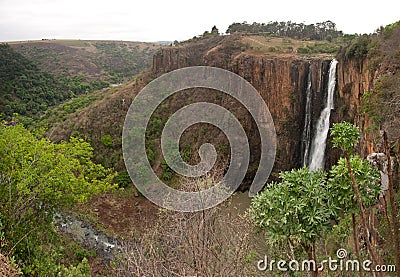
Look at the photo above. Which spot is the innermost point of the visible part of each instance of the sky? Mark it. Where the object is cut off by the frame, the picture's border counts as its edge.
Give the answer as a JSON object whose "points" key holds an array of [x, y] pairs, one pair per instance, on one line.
{"points": [[168, 20]]}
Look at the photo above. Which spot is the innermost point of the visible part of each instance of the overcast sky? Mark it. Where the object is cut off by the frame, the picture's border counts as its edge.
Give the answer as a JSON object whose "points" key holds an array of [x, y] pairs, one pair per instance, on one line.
{"points": [[149, 20]]}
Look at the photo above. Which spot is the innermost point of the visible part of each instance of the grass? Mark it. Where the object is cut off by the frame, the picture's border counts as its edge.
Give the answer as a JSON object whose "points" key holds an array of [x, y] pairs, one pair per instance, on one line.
{"points": [[274, 46], [112, 61], [71, 42]]}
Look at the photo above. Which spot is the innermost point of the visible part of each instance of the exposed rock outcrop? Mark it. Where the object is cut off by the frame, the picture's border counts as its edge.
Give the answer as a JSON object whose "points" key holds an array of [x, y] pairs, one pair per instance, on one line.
{"points": [[281, 81]]}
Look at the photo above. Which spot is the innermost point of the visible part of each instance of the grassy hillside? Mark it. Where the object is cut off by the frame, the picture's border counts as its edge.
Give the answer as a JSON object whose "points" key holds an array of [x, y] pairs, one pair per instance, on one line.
{"points": [[36, 75], [27, 90], [111, 61], [273, 46]]}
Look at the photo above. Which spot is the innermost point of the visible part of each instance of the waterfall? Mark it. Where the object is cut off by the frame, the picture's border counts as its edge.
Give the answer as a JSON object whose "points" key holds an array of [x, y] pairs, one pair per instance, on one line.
{"points": [[306, 138], [318, 144]]}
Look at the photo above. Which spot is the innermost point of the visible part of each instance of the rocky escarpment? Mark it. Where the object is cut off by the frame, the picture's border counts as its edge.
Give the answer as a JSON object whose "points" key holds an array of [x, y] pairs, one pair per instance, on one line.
{"points": [[281, 82], [280, 79], [354, 79], [184, 55]]}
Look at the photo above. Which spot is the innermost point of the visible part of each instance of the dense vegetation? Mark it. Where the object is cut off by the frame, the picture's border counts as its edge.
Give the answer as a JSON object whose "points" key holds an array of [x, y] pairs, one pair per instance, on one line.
{"points": [[382, 103], [309, 206], [39, 179], [319, 31], [26, 90]]}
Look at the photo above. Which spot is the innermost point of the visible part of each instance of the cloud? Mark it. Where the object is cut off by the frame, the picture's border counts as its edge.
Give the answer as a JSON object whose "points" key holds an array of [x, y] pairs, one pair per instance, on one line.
{"points": [[174, 19]]}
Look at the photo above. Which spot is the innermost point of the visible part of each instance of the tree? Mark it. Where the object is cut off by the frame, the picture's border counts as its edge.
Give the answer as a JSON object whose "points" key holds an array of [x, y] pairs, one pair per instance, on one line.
{"points": [[343, 193], [214, 30], [392, 202], [367, 179], [346, 136], [295, 211], [318, 31], [38, 179]]}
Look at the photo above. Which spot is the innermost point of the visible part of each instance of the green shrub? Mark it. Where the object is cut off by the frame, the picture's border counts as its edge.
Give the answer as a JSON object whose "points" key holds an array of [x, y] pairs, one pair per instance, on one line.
{"points": [[389, 29], [52, 177], [303, 50], [81, 270], [167, 171], [123, 179], [106, 140], [358, 49]]}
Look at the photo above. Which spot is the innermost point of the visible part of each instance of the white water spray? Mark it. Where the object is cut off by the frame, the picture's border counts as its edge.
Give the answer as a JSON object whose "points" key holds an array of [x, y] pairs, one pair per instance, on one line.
{"points": [[318, 145], [306, 138]]}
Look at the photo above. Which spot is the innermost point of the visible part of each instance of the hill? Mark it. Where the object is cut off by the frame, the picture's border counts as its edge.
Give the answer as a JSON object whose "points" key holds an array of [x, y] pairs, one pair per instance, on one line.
{"points": [[111, 61], [36, 75], [27, 90]]}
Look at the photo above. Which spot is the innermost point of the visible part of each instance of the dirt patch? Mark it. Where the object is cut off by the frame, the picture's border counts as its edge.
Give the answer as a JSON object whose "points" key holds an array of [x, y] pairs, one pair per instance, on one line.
{"points": [[124, 214]]}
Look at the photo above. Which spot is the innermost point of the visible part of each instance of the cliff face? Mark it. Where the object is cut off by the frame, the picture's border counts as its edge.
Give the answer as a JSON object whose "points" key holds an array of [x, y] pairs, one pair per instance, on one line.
{"points": [[281, 81], [282, 84], [354, 78], [172, 58]]}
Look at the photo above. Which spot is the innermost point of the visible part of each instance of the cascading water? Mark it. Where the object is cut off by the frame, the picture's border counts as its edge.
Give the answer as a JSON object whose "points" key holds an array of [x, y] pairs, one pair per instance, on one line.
{"points": [[318, 145], [306, 138]]}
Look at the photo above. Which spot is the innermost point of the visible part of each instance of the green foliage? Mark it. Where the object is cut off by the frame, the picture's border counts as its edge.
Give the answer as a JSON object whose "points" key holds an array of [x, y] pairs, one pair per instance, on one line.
{"points": [[81, 270], [345, 136], [46, 260], [123, 179], [167, 173], [358, 49], [296, 209], [150, 152], [367, 179], [373, 48], [155, 127], [60, 112], [383, 103], [186, 152], [341, 232], [303, 50], [319, 31], [389, 29], [319, 48], [39, 178], [348, 37], [106, 140], [27, 90]]}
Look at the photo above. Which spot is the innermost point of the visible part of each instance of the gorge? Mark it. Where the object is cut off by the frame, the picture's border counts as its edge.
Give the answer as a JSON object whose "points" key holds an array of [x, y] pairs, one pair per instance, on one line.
{"points": [[299, 91], [72, 205], [294, 87]]}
